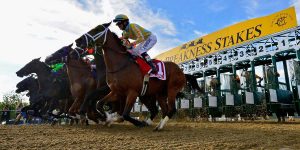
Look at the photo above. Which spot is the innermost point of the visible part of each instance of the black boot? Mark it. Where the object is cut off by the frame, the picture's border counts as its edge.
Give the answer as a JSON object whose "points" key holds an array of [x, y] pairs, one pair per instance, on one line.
{"points": [[150, 62], [152, 65]]}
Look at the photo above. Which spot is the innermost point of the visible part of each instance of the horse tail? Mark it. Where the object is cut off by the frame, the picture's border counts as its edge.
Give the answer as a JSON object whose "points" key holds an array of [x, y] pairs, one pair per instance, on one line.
{"points": [[192, 80], [180, 95]]}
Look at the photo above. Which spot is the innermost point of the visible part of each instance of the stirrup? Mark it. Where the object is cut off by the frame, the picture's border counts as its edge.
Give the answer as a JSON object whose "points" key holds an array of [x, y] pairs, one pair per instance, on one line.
{"points": [[154, 70]]}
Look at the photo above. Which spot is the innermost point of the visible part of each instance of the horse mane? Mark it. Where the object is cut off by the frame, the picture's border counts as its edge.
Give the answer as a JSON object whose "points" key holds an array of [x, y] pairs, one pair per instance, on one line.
{"points": [[115, 36], [47, 68]]}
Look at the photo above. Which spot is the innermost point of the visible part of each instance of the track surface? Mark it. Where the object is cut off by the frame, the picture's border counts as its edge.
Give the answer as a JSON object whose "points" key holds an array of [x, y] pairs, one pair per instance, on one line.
{"points": [[176, 135]]}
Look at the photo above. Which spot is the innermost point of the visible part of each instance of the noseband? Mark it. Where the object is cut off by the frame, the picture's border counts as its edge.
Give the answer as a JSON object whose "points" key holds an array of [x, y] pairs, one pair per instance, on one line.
{"points": [[88, 37], [92, 40]]}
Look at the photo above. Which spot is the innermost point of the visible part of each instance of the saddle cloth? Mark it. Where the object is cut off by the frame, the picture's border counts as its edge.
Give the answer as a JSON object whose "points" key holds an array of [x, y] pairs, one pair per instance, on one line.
{"points": [[146, 69]]}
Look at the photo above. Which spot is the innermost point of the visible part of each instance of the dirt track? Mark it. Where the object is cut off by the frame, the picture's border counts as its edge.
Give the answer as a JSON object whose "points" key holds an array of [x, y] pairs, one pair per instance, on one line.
{"points": [[177, 135]]}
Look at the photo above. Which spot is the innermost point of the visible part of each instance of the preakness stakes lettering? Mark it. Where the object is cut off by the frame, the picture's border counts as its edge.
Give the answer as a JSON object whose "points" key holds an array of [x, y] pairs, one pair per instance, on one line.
{"points": [[268, 46], [232, 36], [220, 43]]}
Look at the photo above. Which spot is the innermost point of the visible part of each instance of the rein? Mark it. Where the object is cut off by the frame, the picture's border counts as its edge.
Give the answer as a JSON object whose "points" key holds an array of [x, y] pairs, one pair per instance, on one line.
{"points": [[88, 36], [78, 59]]}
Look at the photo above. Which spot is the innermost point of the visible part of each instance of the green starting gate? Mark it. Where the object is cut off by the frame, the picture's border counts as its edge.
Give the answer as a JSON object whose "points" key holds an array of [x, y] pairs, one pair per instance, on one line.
{"points": [[232, 85]]}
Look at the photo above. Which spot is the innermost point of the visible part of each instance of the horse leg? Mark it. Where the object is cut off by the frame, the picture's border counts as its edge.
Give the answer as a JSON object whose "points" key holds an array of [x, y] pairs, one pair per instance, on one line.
{"points": [[283, 114], [150, 103], [18, 118], [100, 103], [162, 101], [67, 107], [117, 109], [278, 115], [110, 97], [171, 109], [87, 100], [130, 100], [91, 115], [74, 109]]}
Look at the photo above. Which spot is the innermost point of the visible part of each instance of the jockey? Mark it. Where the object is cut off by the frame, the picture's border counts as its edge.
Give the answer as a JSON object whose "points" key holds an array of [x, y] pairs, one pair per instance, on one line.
{"points": [[144, 39], [56, 67]]}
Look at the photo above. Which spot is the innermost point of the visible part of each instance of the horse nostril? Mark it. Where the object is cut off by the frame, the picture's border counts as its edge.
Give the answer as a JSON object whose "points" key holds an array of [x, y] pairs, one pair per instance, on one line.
{"points": [[18, 74]]}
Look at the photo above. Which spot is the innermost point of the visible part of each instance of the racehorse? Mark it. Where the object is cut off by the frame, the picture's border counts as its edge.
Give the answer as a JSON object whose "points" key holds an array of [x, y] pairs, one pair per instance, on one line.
{"points": [[31, 85], [92, 95], [36, 102], [80, 75], [125, 78], [56, 90]]}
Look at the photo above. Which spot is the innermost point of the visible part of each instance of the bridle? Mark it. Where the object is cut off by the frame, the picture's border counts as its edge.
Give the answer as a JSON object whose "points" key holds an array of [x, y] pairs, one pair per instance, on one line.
{"points": [[91, 40]]}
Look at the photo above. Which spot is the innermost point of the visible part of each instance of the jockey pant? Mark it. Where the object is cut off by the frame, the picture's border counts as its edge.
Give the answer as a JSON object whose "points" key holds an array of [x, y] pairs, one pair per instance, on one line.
{"points": [[145, 46]]}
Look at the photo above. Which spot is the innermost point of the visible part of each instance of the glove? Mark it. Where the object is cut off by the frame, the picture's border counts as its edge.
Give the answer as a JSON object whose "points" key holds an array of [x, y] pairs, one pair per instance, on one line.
{"points": [[127, 44]]}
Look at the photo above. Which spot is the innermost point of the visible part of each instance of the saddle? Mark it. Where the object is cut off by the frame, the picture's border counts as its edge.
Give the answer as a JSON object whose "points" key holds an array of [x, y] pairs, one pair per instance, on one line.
{"points": [[146, 72], [146, 69]]}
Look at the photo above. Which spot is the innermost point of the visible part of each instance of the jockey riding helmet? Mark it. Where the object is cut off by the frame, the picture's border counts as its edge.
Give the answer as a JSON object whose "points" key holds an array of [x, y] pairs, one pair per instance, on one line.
{"points": [[120, 18]]}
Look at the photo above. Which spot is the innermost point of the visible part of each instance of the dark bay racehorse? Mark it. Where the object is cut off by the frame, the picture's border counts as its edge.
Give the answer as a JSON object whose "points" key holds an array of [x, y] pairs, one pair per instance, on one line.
{"points": [[125, 79], [31, 85], [36, 102], [56, 90], [92, 94]]}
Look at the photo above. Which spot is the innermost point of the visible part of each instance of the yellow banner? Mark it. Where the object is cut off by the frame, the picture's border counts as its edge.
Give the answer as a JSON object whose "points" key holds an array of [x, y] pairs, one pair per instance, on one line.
{"points": [[232, 36]]}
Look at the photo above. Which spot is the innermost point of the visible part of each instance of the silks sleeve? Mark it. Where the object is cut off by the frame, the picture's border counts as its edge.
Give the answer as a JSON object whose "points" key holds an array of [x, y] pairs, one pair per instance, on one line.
{"points": [[138, 33]]}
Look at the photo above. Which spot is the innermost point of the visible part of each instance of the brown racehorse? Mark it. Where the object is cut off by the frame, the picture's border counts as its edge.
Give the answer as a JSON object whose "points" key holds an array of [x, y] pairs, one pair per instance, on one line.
{"points": [[83, 85], [80, 76], [125, 79]]}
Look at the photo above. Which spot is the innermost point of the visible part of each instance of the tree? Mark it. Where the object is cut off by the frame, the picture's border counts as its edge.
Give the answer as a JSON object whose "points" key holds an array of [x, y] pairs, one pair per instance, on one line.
{"points": [[11, 100]]}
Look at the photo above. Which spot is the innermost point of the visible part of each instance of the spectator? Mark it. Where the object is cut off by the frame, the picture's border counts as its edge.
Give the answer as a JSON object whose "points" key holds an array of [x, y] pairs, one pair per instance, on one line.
{"points": [[5, 115], [18, 109]]}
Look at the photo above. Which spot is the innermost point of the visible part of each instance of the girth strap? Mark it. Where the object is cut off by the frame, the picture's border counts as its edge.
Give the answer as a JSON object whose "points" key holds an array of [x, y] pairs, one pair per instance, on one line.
{"points": [[145, 84]]}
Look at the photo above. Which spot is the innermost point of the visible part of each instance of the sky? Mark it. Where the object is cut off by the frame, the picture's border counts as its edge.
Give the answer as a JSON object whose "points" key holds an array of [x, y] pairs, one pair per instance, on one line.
{"points": [[36, 28]]}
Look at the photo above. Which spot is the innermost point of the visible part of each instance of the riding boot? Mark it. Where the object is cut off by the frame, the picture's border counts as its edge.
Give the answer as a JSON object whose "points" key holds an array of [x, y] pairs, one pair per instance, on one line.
{"points": [[152, 65], [150, 62]]}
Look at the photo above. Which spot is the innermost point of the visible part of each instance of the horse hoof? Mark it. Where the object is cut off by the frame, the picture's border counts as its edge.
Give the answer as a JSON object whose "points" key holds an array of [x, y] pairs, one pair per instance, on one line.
{"points": [[53, 123], [142, 124], [108, 123], [156, 129], [146, 123]]}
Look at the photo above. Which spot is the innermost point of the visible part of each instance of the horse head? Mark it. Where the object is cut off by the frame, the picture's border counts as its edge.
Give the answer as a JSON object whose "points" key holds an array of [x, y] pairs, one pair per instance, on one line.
{"points": [[29, 68], [63, 54], [96, 37], [24, 84]]}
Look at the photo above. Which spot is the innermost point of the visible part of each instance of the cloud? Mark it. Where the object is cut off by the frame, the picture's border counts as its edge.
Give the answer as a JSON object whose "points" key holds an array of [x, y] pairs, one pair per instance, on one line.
{"points": [[188, 22], [35, 28], [217, 6], [199, 33], [251, 8]]}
